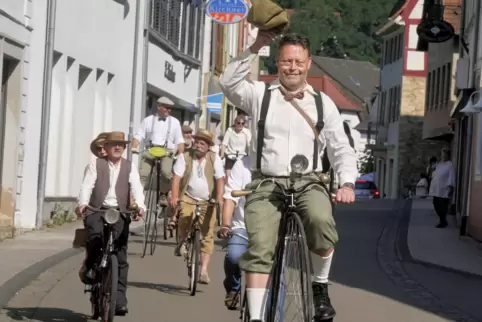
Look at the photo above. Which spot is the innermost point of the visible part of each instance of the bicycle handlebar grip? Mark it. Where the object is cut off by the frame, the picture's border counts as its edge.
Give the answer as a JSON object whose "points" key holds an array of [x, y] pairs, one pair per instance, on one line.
{"points": [[240, 193]]}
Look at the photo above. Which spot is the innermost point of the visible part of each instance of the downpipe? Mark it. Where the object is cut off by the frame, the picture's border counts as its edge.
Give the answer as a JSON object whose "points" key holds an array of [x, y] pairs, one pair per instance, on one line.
{"points": [[46, 100], [134, 77], [201, 72]]}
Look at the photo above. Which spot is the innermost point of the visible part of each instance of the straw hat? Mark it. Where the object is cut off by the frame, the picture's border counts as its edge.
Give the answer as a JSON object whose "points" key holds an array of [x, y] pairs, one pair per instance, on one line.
{"points": [[204, 135], [98, 142], [116, 137]]}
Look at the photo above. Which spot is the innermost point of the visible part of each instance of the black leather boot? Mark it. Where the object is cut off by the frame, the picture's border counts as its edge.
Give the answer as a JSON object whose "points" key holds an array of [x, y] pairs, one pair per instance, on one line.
{"points": [[324, 311]]}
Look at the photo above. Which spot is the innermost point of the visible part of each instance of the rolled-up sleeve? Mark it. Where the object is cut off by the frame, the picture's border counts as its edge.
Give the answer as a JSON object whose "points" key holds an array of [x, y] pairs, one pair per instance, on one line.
{"points": [[218, 168], [234, 84], [141, 132], [179, 166], [178, 138], [136, 188], [342, 156], [90, 176]]}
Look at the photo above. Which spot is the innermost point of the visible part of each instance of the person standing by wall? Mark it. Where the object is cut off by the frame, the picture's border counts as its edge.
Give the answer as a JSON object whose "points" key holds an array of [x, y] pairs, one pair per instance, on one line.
{"points": [[442, 187]]}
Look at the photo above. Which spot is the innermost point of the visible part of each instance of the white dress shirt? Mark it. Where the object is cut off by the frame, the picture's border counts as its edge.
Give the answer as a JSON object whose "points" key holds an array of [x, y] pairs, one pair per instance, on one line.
{"points": [[239, 177], [237, 142], [286, 131], [443, 177], [197, 187], [156, 130], [111, 198]]}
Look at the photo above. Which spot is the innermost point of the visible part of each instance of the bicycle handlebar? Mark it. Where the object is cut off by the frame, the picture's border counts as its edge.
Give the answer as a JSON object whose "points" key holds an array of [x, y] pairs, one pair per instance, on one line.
{"points": [[244, 193], [127, 212]]}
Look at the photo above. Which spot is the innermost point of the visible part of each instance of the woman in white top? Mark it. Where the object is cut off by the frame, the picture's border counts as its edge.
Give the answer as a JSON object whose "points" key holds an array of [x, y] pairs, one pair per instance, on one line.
{"points": [[442, 187], [235, 143]]}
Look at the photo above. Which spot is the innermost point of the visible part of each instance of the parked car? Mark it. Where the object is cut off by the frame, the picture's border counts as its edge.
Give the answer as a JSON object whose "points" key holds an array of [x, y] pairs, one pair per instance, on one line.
{"points": [[366, 190]]}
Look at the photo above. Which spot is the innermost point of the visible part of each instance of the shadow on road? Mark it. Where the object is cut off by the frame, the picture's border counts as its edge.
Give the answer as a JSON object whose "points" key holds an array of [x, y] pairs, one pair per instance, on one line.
{"points": [[367, 257], [39, 314], [164, 288]]}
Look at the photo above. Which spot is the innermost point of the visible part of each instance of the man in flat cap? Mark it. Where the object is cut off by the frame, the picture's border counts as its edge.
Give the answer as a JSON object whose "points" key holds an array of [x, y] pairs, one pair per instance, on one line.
{"points": [[188, 140], [159, 130]]}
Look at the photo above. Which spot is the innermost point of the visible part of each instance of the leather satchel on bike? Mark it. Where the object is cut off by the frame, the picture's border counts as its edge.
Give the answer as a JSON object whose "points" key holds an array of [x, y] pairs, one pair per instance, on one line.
{"points": [[80, 238]]}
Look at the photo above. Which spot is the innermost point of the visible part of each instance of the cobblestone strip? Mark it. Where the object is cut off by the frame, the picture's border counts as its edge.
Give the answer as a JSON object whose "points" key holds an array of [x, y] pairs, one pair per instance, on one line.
{"points": [[24, 305], [393, 267]]}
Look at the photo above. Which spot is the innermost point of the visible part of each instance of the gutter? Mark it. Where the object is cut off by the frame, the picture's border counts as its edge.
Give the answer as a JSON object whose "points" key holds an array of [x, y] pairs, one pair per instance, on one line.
{"points": [[201, 72], [133, 81], [391, 22], [470, 131], [46, 99]]}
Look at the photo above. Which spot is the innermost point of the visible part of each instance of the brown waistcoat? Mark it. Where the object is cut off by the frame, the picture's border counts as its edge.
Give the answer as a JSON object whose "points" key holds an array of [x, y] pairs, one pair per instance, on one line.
{"points": [[102, 184], [189, 157]]}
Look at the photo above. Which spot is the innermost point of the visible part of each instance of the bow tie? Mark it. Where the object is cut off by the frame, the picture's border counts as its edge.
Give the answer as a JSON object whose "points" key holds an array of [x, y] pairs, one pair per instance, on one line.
{"points": [[162, 118], [290, 96]]}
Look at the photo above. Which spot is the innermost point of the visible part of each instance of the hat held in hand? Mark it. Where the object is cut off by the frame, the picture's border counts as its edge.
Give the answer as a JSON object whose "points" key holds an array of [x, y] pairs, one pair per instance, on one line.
{"points": [[267, 15]]}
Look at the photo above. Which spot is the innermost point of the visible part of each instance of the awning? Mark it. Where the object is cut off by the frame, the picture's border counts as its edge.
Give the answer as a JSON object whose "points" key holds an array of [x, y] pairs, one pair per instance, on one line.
{"points": [[461, 102], [444, 133]]}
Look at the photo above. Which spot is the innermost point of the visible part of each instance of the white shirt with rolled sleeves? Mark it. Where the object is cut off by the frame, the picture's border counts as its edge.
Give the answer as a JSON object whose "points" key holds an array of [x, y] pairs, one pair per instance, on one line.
{"points": [[156, 130], [286, 131], [443, 177], [197, 187], [237, 142], [110, 200], [239, 177]]}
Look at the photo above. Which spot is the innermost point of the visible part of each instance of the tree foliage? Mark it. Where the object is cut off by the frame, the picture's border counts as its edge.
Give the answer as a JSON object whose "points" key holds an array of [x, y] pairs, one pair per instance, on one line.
{"points": [[338, 28]]}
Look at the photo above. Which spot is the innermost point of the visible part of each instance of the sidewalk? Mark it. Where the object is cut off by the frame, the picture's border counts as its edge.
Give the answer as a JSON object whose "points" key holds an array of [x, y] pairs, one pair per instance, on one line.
{"points": [[26, 256], [441, 247]]}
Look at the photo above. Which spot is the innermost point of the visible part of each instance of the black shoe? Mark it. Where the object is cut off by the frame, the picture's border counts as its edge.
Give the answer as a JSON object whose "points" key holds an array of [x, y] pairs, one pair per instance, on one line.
{"points": [[89, 276], [323, 309], [121, 310], [442, 225]]}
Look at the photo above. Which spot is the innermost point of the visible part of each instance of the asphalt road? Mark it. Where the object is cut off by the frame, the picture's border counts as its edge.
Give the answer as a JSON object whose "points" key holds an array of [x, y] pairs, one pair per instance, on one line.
{"points": [[369, 283]]}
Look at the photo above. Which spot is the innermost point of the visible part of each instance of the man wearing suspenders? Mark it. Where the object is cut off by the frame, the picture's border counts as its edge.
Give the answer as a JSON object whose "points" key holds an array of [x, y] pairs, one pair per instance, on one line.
{"points": [[281, 111], [161, 130]]}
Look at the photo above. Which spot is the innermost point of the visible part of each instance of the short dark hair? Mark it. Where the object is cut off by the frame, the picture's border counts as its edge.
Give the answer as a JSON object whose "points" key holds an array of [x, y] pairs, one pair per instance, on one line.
{"points": [[294, 39]]}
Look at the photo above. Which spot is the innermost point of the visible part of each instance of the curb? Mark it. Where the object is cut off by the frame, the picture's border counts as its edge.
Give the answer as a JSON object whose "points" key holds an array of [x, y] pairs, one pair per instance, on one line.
{"points": [[11, 287], [403, 251]]}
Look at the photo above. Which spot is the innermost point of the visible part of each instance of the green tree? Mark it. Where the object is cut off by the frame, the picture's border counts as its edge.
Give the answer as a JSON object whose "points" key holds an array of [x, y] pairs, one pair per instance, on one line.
{"points": [[366, 164], [338, 28]]}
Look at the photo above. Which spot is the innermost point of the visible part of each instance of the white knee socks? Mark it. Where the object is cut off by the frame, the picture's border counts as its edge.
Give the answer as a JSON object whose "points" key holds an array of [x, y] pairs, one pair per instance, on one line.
{"points": [[257, 298], [323, 270]]}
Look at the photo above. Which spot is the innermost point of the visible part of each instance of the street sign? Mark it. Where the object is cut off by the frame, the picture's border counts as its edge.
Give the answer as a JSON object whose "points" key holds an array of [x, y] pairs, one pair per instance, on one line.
{"points": [[215, 102], [227, 11]]}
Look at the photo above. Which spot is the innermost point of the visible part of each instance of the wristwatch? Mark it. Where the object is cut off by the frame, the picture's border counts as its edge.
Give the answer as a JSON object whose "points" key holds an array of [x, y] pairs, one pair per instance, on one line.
{"points": [[349, 185]]}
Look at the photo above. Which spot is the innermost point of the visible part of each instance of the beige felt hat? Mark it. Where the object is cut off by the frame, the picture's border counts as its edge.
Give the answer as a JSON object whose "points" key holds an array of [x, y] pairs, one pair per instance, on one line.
{"points": [[267, 15], [204, 135]]}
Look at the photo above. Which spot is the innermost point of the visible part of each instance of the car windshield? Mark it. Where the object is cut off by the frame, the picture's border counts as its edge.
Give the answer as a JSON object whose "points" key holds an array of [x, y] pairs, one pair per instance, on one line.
{"points": [[365, 185]]}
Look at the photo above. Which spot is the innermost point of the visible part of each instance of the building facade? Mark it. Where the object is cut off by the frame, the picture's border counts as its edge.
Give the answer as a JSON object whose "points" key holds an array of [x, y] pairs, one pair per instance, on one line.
{"points": [[400, 154], [91, 89]]}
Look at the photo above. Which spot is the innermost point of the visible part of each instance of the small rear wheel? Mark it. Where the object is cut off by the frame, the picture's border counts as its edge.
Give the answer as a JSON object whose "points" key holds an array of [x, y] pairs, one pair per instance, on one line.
{"points": [[193, 265], [245, 317]]}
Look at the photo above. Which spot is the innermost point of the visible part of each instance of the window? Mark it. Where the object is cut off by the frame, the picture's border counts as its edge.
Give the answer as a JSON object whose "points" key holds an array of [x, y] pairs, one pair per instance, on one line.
{"points": [[448, 83], [428, 92], [174, 22], [201, 17], [184, 26], [191, 30]]}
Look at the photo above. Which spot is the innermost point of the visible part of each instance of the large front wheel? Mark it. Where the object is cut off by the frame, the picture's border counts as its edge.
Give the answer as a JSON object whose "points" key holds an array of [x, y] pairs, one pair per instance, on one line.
{"points": [[291, 290]]}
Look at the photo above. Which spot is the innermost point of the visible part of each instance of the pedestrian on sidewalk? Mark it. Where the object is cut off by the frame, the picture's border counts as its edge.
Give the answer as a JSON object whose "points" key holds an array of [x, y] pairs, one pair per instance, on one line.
{"points": [[442, 187]]}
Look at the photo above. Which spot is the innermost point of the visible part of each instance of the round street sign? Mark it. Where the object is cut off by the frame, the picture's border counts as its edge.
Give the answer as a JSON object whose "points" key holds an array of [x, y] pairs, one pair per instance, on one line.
{"points": [[435, 31], [227, 11]]}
